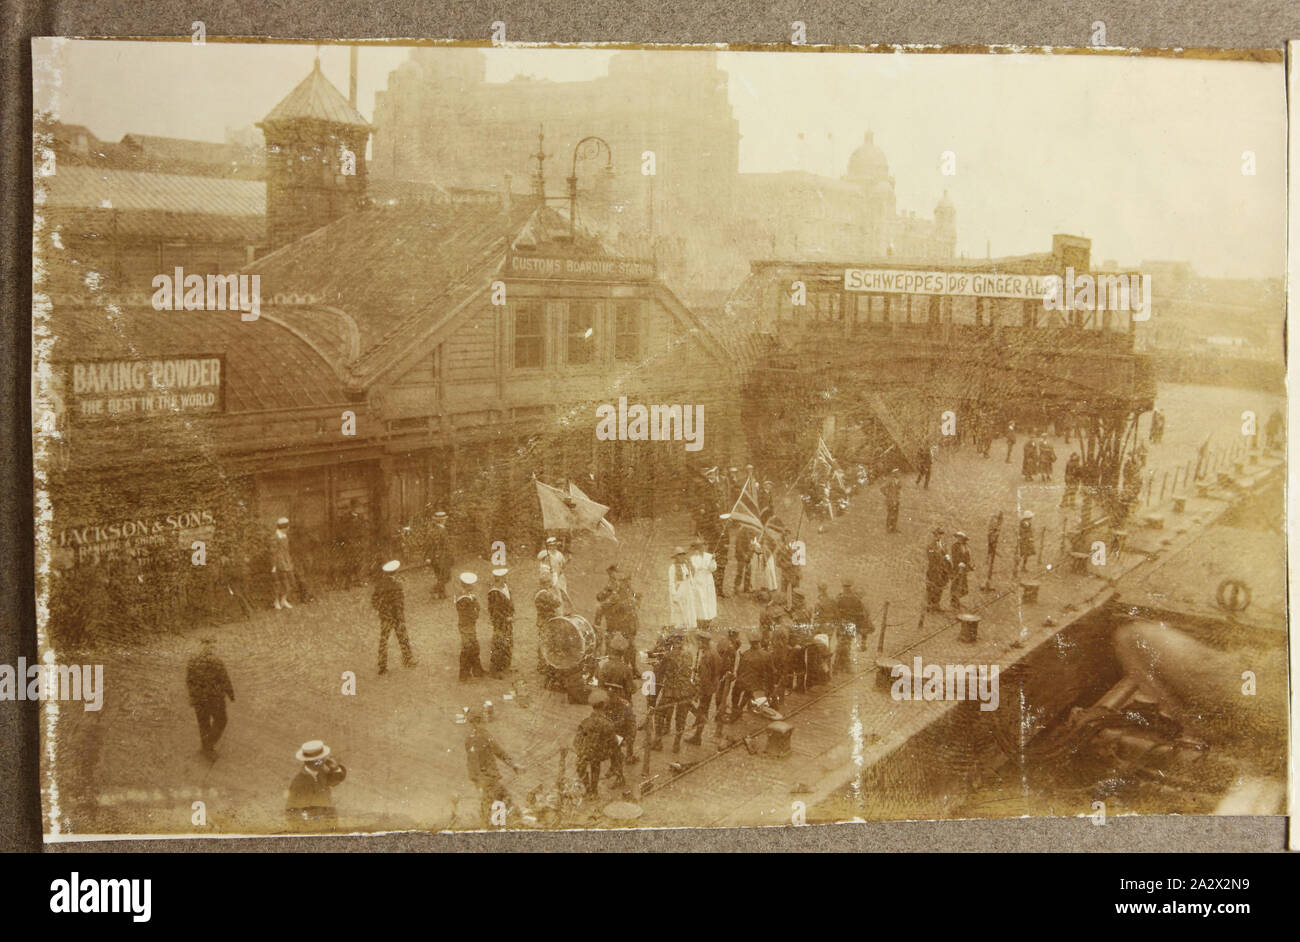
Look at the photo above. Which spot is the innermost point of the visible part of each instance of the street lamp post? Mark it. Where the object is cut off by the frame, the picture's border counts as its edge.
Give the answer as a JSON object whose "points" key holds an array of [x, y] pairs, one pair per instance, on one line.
{"points": [[588, 153]]}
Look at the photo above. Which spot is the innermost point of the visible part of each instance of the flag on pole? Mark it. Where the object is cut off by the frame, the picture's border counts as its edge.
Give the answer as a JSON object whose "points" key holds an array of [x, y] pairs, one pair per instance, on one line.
{"points": [[586, 508], [747, 512]]}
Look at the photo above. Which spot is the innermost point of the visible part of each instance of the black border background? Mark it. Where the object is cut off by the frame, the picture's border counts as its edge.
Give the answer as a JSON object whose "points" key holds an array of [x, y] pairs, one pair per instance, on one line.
{"points": [[1242, 24]]}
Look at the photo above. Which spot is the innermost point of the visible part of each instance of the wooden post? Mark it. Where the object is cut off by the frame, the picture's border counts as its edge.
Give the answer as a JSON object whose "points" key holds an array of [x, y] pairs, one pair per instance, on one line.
{"points": [[1163, 482], [884, 623]]}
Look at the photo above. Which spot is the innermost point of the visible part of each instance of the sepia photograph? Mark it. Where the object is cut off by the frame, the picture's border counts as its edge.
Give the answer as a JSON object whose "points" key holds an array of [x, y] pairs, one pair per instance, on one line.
{"points": [[438, 436]]}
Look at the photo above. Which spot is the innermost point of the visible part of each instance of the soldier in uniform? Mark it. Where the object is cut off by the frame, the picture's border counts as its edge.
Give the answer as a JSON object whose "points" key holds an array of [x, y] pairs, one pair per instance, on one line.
{"points": [[936, 571], [617, 679], [893, 489], [1046, 459], [547, 602], [1011, 439], [501, 610], [467, 609], [745, 546], [961, 563], [310, 799], [753, 674], [387, 599], [995, 531], [440, 554], [595, 742], [708, 676], [673, 690], [721, 550], [209, 686], [850, 620], [1025, 539], [481, 754]]}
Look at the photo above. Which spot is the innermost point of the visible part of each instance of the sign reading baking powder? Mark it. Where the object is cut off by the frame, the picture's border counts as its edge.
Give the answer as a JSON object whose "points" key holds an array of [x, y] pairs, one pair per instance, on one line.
{"points": [[598, 269], [978, 284], [93, 389]]}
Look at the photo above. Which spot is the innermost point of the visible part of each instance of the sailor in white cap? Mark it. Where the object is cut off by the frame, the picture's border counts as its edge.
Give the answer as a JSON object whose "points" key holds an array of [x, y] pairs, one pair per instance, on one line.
{"points": [[309, 799], [467, 609], [282, 564], [501, 610], [439, 554], [389, 601], [553, 558]]}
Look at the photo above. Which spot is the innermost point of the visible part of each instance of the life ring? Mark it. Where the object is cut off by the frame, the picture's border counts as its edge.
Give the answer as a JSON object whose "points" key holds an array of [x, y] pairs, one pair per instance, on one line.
{"points": [[1233, 595]]}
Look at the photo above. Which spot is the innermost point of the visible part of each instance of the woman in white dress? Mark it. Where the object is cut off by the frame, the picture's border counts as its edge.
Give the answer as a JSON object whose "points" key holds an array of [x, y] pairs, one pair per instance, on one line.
{"points": [[681, 591], [706, 592]]}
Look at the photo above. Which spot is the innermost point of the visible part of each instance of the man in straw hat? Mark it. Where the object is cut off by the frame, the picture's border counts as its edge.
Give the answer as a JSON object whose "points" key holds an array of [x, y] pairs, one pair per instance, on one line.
{"points": [[309, 798], [389, 601], [501, 610], [467, 609]]}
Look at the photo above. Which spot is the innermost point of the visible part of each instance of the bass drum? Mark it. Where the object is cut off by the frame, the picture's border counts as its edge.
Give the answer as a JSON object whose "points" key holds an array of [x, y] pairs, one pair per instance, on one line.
{"points": [[567, 640]]}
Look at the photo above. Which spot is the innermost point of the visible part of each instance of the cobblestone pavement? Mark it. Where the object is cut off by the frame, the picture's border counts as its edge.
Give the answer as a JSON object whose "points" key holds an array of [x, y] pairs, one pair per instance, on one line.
{"points": [[134, 767]]}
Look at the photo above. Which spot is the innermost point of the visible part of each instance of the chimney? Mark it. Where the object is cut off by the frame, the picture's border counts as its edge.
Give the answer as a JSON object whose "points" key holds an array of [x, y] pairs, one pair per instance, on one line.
{"points": [[352, 76]]}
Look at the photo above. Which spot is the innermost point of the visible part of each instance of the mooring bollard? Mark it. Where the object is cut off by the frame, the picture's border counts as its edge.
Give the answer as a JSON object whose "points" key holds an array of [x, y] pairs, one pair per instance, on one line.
{"points": [[1029, 592], [1180, 504], [970, 628], [885, 671]]}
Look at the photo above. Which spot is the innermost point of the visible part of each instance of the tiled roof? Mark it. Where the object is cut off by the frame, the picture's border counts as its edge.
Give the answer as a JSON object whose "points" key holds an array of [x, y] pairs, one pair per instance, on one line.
{"points": [[316, 99], [267, 366], [389, 264], [124, 190]]}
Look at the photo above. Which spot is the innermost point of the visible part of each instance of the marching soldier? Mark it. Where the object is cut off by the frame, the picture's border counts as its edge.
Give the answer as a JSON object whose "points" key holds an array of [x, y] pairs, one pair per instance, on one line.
{"points": [[501, 610], [481, 754], [617, 679], [467, 609], [209, 686], [596, 741], [708, 677], [924, 463], [387, 599], [673, 691]]}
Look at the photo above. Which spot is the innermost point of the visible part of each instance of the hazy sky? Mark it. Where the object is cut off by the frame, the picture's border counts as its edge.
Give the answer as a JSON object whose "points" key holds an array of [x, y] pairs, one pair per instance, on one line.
{"points": [[1143, 156]]}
